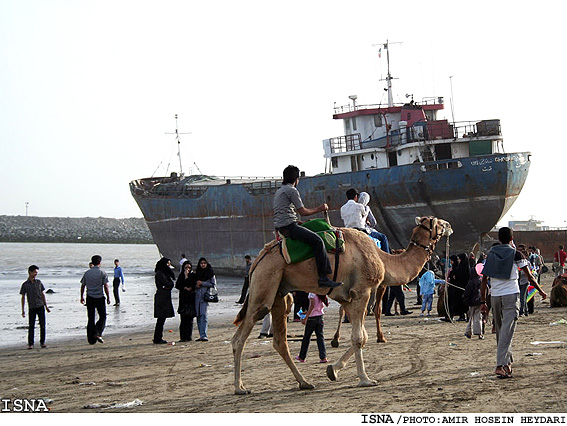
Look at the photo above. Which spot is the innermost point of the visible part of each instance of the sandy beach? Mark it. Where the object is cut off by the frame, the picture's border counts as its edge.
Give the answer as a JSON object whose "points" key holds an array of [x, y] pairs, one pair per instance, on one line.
{"points": [[426, 366]]}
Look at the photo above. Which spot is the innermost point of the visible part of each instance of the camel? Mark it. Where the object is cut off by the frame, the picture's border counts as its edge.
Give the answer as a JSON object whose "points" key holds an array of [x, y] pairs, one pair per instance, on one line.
{"points": [[362, 268], [558, 296]]}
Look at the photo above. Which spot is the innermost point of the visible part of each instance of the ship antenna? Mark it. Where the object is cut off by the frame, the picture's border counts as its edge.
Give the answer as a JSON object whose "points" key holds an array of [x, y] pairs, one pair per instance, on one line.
{"points": [[389, 77], [452, 102], [179, 145]]}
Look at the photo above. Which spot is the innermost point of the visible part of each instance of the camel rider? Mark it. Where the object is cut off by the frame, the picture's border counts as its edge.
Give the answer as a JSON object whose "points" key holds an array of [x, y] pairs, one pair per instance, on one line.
{"points": [[355, 214], [287, 203]]}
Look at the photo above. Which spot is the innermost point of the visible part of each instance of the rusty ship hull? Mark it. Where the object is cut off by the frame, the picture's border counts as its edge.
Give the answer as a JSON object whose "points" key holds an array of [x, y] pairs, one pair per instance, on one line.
{"points": [[223, 220]]}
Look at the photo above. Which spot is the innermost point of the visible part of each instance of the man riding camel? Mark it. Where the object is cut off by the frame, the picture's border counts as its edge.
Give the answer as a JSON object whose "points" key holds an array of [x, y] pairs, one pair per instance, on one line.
{"points": [[287, 203]]}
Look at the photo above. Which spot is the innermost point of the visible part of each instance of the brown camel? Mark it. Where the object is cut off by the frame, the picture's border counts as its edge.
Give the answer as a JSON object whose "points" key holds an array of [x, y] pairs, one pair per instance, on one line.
{"points": [[362, 267], [558, 295]]}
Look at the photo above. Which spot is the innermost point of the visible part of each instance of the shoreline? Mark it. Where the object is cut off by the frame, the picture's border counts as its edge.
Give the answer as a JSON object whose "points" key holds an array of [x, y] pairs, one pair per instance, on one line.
{"points": [[427, 365]]}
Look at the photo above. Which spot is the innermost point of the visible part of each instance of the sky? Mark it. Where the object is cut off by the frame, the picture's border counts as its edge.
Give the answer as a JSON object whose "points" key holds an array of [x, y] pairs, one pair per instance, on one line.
{"points": [[90, 89]]}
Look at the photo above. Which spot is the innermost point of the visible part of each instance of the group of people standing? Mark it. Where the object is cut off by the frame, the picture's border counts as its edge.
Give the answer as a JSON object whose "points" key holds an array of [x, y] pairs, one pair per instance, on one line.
{"points": [[192, 286]]}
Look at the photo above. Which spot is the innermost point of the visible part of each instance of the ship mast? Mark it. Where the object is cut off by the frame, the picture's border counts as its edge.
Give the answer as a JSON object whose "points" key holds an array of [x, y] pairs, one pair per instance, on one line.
{"points": [[389, 77], [178, 145]]}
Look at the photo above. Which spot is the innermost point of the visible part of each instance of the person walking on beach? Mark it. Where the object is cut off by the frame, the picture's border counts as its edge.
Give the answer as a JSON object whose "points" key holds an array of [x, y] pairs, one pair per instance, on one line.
{"points": [[33, 289], [287, 203], [313, 322], [502, 265], [205, 276], [163, 306], [95, 280], [118, 278], [559, 259], [248, 261], [185, 283]]}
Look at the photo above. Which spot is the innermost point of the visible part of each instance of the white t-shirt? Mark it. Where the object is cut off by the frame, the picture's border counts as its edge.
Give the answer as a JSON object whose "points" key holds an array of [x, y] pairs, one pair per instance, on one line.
{"points": [[503, 287], [354, 215]]}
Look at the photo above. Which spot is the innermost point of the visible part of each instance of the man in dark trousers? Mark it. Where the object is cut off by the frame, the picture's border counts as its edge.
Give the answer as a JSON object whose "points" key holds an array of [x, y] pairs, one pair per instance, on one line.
{"points": [[33, 289], [96, 282], [287, 204]]}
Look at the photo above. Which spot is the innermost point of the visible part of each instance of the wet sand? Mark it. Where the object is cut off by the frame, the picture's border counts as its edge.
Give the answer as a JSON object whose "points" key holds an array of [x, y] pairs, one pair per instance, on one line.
{"points": [[426, 366]]}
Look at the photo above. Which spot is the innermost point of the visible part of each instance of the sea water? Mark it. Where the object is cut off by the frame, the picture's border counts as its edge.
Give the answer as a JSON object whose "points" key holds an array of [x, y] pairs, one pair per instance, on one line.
{"points": [[61, 267]]}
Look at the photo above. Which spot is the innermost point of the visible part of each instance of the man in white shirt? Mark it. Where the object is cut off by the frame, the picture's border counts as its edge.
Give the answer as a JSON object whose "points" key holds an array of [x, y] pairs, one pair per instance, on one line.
{"points": [[502, 266], [354, 215]]}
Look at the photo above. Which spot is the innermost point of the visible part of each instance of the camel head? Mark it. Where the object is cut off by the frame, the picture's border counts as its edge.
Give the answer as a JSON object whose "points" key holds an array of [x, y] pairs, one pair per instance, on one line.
{"points": [[429, 231]]}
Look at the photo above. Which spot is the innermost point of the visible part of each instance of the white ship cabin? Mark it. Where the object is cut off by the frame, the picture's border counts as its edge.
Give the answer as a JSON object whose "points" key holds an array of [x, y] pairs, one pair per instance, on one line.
{"points": [[378, 137]]}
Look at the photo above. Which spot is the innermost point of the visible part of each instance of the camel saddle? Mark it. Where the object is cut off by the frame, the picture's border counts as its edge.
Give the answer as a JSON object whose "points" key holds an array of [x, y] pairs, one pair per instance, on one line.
{"points": [[295, 251]]}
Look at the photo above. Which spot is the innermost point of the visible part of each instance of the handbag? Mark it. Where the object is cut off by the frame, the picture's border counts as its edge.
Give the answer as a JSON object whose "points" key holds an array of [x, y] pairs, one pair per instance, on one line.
{"points": [[188, 310], [211, 295], [544, 269]]}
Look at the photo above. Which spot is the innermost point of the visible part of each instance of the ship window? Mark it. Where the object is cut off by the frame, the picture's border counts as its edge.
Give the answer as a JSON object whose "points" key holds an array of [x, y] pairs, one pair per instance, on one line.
{"points": [[377, 121], [353, 123], [347, 125], [334, 162], [372, 156]]}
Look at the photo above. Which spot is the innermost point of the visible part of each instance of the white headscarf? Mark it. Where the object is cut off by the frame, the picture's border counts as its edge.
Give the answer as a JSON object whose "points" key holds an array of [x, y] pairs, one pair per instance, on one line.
{"points": [[364, 199]]}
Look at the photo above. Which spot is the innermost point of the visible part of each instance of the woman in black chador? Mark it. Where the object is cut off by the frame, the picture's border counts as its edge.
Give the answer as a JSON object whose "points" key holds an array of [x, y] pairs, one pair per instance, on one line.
{"points": [[458, 279], [186, 286], [163, 307]]}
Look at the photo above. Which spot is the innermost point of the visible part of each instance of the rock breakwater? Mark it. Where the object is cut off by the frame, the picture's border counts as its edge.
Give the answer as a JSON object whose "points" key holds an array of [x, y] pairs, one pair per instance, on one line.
{"points": [[74, 230]]}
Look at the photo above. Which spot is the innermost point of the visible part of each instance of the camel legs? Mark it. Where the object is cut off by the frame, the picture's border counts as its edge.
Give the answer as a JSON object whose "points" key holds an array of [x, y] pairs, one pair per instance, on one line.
{"points": [[280, 311], [238, 342], [256, 307], [378, 312], [336, 337], [377, 303], [359, 338]]}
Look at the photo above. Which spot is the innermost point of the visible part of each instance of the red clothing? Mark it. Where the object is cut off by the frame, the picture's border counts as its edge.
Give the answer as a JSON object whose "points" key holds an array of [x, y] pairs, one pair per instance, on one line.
{"points": [[562, 257]]}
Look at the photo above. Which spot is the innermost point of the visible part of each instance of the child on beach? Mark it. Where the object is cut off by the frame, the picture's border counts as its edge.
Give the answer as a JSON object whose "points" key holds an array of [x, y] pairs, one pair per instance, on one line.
{"points": [[37, 305], [313, 322], [427, 284]]}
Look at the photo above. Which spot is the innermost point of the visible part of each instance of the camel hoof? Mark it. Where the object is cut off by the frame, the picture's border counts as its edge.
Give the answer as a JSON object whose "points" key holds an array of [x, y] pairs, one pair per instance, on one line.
{"points": [[335, 343], [367, 383], [381, 340], [331, 373], [242, 392], [306, 385]]}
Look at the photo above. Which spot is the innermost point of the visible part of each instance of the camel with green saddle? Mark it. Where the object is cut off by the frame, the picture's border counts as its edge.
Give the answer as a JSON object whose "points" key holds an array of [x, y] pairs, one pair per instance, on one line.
{"points": [[363, 267]]}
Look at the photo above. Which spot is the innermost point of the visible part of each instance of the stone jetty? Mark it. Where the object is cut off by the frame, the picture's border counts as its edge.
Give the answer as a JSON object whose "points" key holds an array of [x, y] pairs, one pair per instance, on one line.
{"points": [[74, 230]]}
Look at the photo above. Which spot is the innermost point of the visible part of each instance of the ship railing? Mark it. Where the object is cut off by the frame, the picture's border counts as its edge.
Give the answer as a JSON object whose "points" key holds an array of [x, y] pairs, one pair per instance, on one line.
{"points": [[346, 143], [419, 132], [350, 107]]}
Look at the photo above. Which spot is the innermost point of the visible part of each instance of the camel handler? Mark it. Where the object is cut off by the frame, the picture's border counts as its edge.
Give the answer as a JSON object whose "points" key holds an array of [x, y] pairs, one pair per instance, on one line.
{"points": [[287, 203], [502, 266]]}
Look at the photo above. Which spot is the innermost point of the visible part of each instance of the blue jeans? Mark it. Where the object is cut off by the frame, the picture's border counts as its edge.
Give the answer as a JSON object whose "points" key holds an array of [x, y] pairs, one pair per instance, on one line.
{"points": [[524, 299], [203, 325], [427, 302], [383, 240]]}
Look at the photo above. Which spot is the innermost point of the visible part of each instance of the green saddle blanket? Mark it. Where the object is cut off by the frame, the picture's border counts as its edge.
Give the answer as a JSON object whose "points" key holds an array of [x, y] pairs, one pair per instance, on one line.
{"points": [[295, 251]]}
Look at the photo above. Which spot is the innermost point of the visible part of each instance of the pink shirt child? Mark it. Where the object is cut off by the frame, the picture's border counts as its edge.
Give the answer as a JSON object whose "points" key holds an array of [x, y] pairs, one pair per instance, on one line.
{"points": [[318, 305]]}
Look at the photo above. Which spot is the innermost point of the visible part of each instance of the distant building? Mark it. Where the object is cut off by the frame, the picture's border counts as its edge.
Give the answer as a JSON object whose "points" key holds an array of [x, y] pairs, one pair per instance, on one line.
{"points": [[527, 225]]}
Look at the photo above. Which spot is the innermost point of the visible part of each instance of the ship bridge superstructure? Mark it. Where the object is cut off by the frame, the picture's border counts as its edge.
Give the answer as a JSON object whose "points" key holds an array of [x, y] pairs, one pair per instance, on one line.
{"points": [[378, 137]]}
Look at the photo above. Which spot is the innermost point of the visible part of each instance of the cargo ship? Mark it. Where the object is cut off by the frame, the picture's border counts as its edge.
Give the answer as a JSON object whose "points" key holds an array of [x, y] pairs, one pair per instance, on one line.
{"points": [[410, 161]]}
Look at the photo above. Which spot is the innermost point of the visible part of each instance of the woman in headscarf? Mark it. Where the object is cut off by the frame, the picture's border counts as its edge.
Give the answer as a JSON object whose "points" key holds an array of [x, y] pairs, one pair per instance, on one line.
{"points": [[364, 199], [186, 283], [458, 279], [205, 276], [163, 307]]}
